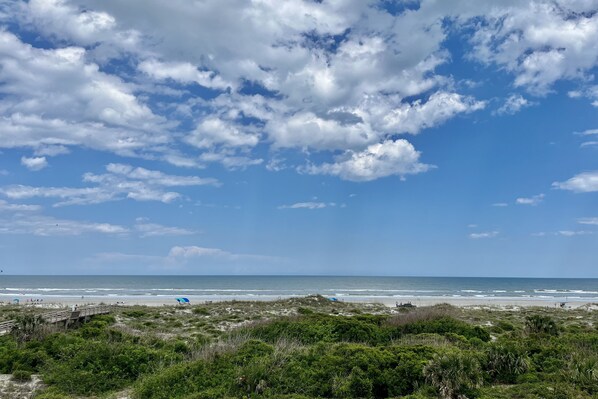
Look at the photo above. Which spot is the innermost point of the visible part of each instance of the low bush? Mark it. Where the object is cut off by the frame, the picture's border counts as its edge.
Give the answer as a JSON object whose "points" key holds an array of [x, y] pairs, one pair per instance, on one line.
{"points": [[135, 314], [540, 390], [415, 315], [504, 363], [539, 324], [582, 371], [201, 311], [454, 374], [92, 367], [21, 375], [443, 325]]}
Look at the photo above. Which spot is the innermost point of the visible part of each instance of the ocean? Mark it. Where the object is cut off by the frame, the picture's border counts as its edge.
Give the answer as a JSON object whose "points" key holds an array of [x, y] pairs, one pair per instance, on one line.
{"points": [[273, 287]]}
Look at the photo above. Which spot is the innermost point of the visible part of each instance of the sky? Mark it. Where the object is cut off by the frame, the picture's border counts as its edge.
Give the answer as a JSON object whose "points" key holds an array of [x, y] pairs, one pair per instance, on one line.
{"points": [[341, 137]]}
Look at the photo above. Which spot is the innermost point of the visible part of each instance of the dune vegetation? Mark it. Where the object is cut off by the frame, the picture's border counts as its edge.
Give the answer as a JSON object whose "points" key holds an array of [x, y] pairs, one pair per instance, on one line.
{"points": [[309, 348]]}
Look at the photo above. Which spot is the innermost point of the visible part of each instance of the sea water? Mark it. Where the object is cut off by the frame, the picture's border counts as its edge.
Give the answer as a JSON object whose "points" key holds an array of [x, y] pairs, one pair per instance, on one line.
{"points": [[272, 287]]}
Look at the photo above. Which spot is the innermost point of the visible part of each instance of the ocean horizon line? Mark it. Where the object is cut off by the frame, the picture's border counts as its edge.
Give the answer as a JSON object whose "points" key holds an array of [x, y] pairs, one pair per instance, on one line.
{"points": [[301, 275]]}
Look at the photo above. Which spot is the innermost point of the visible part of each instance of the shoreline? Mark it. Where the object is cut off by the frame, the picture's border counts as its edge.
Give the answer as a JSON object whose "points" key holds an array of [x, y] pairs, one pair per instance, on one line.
{"points": [[152, 301]]}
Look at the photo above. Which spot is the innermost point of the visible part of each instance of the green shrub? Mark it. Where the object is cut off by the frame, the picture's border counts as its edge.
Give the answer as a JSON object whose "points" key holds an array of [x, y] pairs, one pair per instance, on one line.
{"points": [[504, 363], [180, 347], [92, 367], [307, 330], [51, 394], [313, 328], [359, 385], [135, 314], [199, 379], [539, 324], [28, 327], [404, 376], [354, 330], [21, 375], [505, 326], [444, 325], [582, 371], [541, 390], [201, 311], [252, 349], [455, 374]]}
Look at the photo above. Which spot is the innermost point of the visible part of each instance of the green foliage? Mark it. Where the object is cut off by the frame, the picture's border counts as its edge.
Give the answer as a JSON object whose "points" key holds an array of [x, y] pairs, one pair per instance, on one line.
{"points": [[51, 394], [505, 326], [374, 330], [444, 325], [358, 385], [21, 375], [543, 390], [539, 324], [582, 371], [136, 314], [454, 374], [504, 363], [338, 370], [95, 367], [184, 379], [416, 354], [201, 311], [28, 326]]}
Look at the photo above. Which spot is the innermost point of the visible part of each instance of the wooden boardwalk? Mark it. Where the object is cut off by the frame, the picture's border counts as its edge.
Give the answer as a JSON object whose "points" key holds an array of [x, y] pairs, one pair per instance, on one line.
{"points": [[60, 316]]}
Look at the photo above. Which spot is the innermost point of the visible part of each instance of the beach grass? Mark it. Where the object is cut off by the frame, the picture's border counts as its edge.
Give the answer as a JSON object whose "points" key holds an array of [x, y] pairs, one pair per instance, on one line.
{"points": [[311, 348]]}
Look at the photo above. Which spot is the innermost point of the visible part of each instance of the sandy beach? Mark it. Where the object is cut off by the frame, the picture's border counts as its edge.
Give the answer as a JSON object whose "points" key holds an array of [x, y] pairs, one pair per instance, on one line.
{"points": [[499, 302]]}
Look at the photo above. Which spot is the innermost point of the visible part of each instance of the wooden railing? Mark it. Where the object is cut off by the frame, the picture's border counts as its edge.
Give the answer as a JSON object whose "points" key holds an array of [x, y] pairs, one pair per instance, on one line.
{"points": [[61, 315]]}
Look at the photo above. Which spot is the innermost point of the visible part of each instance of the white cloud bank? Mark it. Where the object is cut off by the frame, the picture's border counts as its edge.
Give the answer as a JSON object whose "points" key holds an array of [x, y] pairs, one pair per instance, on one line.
{"points": [[564, 233], [40, 225], [147, 229], [26, 219], [186, 255], [591, 221], [336, 77], [120, 182]]}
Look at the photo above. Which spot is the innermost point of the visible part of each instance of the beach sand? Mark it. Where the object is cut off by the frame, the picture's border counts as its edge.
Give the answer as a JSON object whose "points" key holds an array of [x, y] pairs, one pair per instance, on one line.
{"points": [[56, 302]]}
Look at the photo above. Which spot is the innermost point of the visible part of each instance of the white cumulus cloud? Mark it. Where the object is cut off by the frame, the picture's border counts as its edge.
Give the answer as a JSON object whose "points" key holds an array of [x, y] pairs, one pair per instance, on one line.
{"points": [[513, 104], [389, 158], [34, 163], [585, 182]]}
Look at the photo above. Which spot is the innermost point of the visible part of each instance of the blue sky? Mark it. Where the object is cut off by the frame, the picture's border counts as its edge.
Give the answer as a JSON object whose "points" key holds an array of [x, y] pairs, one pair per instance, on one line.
{"points": [[350, 137]]}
